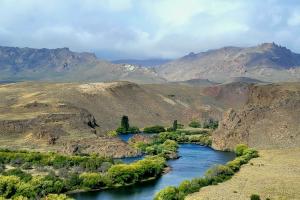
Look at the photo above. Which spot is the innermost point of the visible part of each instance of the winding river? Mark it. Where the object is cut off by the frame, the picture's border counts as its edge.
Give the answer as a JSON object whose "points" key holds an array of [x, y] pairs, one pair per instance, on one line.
{"points": [[194, 161]]}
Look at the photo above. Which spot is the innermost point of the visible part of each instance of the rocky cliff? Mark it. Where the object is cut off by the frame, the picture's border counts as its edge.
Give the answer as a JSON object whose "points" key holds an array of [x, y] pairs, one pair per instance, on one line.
{"points": [[269, 119]]}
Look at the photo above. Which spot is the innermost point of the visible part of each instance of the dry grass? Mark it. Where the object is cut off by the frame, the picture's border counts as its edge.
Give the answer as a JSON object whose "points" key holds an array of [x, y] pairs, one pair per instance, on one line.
{"points": [[275, 175]]}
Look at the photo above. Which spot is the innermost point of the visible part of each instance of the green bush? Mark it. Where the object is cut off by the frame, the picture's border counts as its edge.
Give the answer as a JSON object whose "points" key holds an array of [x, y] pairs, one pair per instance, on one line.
{"points": [[168, 193], [8, 185], [195, 124], [122, 174], [240, 148], [57, 197], [220, 172], [133, 129], [211, 124], [154, 129], [19, 173], [255, 197], [91, 180]]}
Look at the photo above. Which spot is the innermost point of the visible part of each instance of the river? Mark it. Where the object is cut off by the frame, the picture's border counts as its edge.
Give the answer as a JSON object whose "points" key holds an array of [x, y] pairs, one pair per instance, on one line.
{"points": [[193, 162]]}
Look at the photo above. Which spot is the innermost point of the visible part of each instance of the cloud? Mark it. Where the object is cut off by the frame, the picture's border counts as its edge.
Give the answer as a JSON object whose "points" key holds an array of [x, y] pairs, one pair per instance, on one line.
{"points": [[148, 28]]}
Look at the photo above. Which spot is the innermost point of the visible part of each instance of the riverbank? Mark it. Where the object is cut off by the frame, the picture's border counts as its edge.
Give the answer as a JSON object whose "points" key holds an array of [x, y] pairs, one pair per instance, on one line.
{"points": [[194, 161], [275, 175]]}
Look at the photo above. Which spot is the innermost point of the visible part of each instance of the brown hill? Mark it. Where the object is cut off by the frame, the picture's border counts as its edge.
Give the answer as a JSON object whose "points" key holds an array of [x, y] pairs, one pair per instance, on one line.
{"points": [[270, 119], [64, 65], [266, 62], [74, 117]]}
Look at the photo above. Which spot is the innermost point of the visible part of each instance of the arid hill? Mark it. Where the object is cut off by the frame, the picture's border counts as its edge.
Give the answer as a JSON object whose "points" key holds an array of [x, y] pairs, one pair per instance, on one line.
{"points": [[270, 119], [74, 118], [267, 62], [63, 65]]}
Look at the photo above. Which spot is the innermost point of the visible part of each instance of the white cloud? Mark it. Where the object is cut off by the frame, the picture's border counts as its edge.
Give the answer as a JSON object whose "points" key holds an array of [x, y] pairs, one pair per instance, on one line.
{"points": [[148, 28], [294, 20]]}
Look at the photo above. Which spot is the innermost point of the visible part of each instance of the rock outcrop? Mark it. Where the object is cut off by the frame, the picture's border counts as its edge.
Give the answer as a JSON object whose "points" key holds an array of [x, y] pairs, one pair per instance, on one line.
{"points": [[270, 119]]}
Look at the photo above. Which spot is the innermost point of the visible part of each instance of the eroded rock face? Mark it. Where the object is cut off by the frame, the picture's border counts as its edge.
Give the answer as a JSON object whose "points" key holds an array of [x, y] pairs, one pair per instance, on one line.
{"points": [[270, 119]]}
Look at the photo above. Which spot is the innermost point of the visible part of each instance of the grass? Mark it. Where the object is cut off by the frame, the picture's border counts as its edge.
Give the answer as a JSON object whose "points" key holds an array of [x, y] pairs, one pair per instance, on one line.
{"points": [[275, 175]]}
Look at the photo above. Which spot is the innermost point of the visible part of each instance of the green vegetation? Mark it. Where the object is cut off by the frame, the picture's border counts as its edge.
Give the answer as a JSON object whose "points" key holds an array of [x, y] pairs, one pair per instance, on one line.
{"points": [[215, 175], [124, 174], [51, 173], [154, 129], [202, 138], [125, 128], [211, 124], [255, 197], [195, 124], [240, 148]]}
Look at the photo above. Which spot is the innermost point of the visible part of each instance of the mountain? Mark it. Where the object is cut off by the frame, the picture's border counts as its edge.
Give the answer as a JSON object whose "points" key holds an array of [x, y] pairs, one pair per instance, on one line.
{"points": [[64, 65], [266, 62], [145, 63]]}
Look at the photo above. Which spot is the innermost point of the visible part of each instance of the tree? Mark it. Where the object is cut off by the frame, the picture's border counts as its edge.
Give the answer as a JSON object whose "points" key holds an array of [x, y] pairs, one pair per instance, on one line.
{"points": [[175, 125], [125, 123]]}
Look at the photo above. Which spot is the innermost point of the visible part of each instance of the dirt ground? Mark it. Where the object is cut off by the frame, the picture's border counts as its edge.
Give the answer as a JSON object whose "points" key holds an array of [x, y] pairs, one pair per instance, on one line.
{"points": [[274, 175]]}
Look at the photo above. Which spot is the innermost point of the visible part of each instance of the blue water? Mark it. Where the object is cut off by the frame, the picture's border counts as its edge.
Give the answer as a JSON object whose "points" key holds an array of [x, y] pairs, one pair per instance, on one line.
{"points": [[194, 161], [126, 137]]}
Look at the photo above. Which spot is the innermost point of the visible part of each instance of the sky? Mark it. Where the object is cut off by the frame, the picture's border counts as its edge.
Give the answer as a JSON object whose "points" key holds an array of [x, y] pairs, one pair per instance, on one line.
{"points": [[142, 29]]}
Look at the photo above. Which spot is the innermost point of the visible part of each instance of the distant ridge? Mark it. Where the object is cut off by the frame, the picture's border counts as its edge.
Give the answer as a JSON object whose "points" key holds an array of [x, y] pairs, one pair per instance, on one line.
{"points": [[64, 65], [267, 62]]}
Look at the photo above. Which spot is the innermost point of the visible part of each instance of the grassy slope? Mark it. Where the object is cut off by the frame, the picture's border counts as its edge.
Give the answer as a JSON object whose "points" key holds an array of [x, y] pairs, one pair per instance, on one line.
{"points": [[275, 175]]}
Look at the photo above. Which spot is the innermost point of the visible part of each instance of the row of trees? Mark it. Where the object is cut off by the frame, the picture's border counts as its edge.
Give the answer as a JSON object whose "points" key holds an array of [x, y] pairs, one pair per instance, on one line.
{"points": [[17, 183], [57, 161], [215, 175], [210, 124]]}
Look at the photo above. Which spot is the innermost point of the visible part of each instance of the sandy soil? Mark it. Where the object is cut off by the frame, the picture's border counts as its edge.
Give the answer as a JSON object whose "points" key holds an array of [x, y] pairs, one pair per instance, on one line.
{"points": [[274, 175]]}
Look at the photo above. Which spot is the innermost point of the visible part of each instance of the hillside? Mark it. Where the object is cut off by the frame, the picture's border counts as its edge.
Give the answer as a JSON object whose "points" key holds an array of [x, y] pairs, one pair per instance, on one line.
{"points": [[274, 175], [69, 117], [267, 62], [269, 119], [64, 65]]}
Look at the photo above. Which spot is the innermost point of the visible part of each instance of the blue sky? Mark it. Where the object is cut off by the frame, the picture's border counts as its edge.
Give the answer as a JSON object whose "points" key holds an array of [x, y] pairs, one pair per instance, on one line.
{"points": [[148, 28]]}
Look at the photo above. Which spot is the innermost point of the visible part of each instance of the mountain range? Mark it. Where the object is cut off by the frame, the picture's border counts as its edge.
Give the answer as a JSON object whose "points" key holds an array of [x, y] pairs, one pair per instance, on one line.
{"points": [[18, 64], [267, 62]]}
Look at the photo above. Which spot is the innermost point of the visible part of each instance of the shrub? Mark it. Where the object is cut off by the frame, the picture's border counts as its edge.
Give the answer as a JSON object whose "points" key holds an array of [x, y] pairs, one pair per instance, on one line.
{"points": [[19, 173], [185, 187], [112, 133], [240, 148], [211, 124], [219, 172], [57, 197], [168, 193], [195, 124], [255, 197], [154, 129], [91, 180], [133, 129], [8, 185]]}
